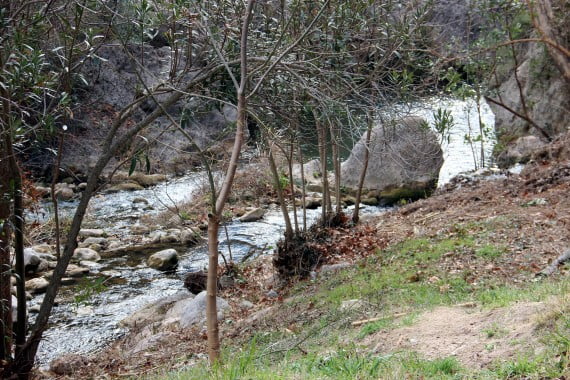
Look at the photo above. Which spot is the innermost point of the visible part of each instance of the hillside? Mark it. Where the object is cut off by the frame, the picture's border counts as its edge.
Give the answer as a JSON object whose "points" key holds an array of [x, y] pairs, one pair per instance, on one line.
{"points": [[446, 287]]}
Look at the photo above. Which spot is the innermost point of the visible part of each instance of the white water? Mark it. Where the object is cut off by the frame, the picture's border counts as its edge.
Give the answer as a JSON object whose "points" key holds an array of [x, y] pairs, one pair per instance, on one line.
{"points": [[459, 155]]}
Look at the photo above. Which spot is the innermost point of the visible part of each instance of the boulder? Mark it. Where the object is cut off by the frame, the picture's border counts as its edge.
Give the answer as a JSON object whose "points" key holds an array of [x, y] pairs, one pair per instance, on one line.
{"points": [[76, 271], [405, 159], [87, 254], [164, 260], [147, 180], [140, 229], [101, 241], [153, 312], [193, 312], [37, 285], [91, 232], [43, 248], [252, 215], [520, 151], [189, 236], [125, 186], [32, 260], [311, 170], [64, 193]]}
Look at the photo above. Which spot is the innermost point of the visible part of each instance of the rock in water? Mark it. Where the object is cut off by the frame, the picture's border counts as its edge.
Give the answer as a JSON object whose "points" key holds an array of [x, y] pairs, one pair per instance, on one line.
{"points": [[253, 215], [164, 260], [405, 159], [86, 254]]}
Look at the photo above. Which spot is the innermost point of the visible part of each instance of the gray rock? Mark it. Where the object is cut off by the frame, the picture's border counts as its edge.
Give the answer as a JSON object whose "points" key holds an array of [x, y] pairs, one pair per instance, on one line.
{"points": [[312, 172], [190, 236], [87, 254], [125, 186], [139, 229], [155, 312], [82, 186], [103, 242], [64, 193], [140, 200], [147, 180], [152, 341], [164, 260], [272, 294], [76, 271], [226, 282], [520, 151], [43, 249], [32, 260], [37, 285], [352, 304], [245, 304], [91, 232], [252, 215], [405, 159], [194, 312], [546, 94]]}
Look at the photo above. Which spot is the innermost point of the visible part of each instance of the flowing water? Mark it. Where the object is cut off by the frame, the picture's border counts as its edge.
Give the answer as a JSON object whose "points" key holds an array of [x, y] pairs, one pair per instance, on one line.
{"points": [[83, 327]]}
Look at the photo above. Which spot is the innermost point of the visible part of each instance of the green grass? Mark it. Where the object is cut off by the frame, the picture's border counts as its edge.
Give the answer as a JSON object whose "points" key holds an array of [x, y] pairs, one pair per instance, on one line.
{"points": [[406, 278]]}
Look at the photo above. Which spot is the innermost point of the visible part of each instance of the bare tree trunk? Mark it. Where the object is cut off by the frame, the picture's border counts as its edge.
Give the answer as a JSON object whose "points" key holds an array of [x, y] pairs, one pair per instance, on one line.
{"points": [[336, 160], [5, 267], [292, 184], [214, 222], [355, 215], [303, 190], [275, 173], [212, 289], [321, 133]]}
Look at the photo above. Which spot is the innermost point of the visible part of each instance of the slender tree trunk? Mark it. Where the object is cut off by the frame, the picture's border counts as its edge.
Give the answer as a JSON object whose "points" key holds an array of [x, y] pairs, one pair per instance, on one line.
{"points": [[355, 215], [303, 189], [275, 173], [214, 223], [336, 160], [212, 289], [292, 184], [5, 267]]}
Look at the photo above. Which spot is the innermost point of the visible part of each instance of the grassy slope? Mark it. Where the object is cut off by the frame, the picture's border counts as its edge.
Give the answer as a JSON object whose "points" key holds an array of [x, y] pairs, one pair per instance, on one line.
{"points": [[310, 335]]}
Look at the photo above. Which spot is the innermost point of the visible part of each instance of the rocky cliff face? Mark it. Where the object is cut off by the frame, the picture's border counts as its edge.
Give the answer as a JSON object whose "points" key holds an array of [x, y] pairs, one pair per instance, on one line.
{"points": [[547, 100], [113, 84]]}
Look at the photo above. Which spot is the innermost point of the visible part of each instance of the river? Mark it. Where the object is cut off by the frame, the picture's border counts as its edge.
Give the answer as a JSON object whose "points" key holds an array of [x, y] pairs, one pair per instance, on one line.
{"points": [[88, 326]]}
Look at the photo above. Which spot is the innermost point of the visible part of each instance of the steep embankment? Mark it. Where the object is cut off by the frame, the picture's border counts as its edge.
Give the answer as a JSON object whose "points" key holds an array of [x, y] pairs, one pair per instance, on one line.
{"points": [[446, 287]]}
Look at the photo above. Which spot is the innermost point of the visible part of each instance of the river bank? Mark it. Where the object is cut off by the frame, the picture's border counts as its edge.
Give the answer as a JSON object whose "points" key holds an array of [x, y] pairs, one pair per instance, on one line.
{"points": [[468, 256]]}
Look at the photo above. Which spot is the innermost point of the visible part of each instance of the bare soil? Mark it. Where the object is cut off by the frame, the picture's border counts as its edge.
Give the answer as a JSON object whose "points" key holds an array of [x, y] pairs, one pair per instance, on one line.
{"points": [[475, 337]]}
